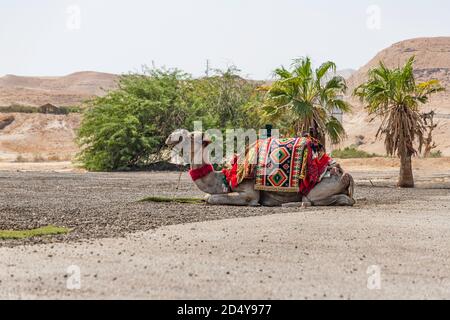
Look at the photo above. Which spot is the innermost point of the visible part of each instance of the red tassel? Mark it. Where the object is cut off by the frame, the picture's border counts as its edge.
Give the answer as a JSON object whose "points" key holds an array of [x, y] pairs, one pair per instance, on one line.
{"points": [[231, 174], [316, 167]]}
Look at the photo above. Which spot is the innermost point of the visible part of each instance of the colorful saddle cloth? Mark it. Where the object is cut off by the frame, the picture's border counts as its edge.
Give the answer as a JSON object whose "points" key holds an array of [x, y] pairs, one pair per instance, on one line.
{"points": [[280, 165]]}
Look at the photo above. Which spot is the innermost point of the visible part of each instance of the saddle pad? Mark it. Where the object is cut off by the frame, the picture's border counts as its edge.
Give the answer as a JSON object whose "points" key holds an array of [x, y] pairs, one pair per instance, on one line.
{"points": [[281, 164]]}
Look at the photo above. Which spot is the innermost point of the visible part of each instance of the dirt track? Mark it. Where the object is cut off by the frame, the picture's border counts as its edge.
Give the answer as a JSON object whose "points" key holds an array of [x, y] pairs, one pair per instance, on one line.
{"points": [[196, 251]]}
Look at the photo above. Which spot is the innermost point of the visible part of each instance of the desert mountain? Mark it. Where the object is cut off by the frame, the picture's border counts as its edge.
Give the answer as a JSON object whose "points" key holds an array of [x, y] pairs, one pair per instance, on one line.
{"points": [[37, 137], [346, 73], [68, 90], [432, 62]]}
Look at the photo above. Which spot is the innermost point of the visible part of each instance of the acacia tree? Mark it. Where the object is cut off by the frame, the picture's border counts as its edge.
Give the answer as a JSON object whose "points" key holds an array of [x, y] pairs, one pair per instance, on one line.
{"points": [[129, 125], [228, 99], [305, 99], [394, 96]]}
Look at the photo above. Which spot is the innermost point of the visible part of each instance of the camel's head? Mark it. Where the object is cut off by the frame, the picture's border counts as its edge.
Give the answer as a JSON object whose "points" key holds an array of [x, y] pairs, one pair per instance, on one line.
{"points": [[191, 145], [184, 138], [178, 137]]}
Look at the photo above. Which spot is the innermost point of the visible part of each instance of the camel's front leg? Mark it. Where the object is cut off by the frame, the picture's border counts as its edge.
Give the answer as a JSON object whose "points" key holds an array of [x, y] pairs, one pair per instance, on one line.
{"points": [[244, 195], [233, 199], [336, 200]]}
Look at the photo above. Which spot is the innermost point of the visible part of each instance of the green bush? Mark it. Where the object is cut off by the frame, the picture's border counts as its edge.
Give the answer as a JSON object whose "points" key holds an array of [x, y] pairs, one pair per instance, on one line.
{"points": [[124, 128], [29, 109], [436, 154], [127, 127], [71, 109], [18, 109], [226, 100], [352, 153]]}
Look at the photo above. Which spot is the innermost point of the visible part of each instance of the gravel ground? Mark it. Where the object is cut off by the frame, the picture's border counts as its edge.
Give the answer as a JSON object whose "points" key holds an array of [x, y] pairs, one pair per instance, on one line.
{"points": [[127, 249], [100, 205]]}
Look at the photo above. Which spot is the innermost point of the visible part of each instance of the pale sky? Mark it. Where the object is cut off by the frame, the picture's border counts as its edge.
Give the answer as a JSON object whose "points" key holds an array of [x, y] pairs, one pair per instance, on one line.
{"points": [[58, 37]]}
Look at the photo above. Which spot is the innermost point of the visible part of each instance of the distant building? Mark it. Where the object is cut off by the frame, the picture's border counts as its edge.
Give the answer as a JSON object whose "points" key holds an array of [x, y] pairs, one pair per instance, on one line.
{"points": [[50, 109]]}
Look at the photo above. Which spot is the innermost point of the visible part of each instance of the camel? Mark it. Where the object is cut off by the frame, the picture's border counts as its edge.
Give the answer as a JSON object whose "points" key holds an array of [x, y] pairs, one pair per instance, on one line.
{"points": [[335, 189]]}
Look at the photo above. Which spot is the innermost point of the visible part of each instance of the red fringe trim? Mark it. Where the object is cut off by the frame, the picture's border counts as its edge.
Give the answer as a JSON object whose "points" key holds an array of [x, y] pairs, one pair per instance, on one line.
{"points": [[201, 172], [315, 169], [231, 174]]}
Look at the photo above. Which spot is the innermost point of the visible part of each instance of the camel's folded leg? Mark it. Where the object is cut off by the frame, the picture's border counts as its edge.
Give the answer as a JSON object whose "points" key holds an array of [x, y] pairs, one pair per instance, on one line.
{"points": [[333, 191], [302, 205], [336, 200], [235, 199]]}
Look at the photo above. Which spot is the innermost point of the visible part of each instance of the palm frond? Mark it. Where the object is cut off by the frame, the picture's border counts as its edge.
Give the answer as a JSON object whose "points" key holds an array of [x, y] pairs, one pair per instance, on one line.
{"points": [[324, 69], [341, 105], [300, 99], [335, 130], [282, 73]]}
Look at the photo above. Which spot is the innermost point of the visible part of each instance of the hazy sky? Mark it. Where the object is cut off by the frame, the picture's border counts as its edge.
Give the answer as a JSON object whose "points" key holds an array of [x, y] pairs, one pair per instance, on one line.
{"points": [[57, 37]]}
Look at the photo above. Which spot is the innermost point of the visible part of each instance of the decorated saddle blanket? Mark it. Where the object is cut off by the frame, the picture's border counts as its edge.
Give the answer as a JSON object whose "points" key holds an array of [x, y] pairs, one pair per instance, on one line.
{"points": [[280, 165]]}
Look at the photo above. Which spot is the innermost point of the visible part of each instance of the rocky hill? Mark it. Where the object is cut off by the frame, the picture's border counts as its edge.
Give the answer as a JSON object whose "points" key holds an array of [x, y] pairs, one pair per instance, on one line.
{"points": [[68, 90], [38, 137]]}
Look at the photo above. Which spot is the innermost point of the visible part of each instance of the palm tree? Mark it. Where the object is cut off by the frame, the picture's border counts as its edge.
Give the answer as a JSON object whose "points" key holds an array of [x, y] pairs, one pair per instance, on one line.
{"points": [[394, 96], [305, 99]]}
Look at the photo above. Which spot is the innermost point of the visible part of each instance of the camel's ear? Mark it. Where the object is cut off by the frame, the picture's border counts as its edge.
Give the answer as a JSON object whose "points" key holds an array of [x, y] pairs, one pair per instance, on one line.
{"points": [[196, 136], [206, 139]]}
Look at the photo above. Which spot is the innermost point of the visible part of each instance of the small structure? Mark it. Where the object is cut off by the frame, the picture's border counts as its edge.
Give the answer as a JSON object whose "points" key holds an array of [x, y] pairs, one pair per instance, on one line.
{"points": [[50, 109]]}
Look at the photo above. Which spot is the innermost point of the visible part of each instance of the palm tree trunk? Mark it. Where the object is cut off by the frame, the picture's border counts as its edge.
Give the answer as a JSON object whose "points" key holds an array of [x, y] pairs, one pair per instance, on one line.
{"points": [[406, 178], [319, 135]]}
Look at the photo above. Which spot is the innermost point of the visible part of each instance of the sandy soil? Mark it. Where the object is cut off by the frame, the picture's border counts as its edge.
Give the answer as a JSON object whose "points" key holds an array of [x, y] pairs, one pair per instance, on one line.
{"points": [[62, 166], [46, 137], [127, 249]]}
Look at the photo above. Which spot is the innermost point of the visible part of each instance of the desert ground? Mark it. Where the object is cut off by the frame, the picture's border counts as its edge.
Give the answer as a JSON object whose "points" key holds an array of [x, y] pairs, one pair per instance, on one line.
{"points": [[130, 249]]}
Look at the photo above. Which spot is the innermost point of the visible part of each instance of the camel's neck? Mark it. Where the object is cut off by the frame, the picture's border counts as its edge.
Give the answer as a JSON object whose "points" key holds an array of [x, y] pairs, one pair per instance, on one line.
{"points": [[210, 182]]}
